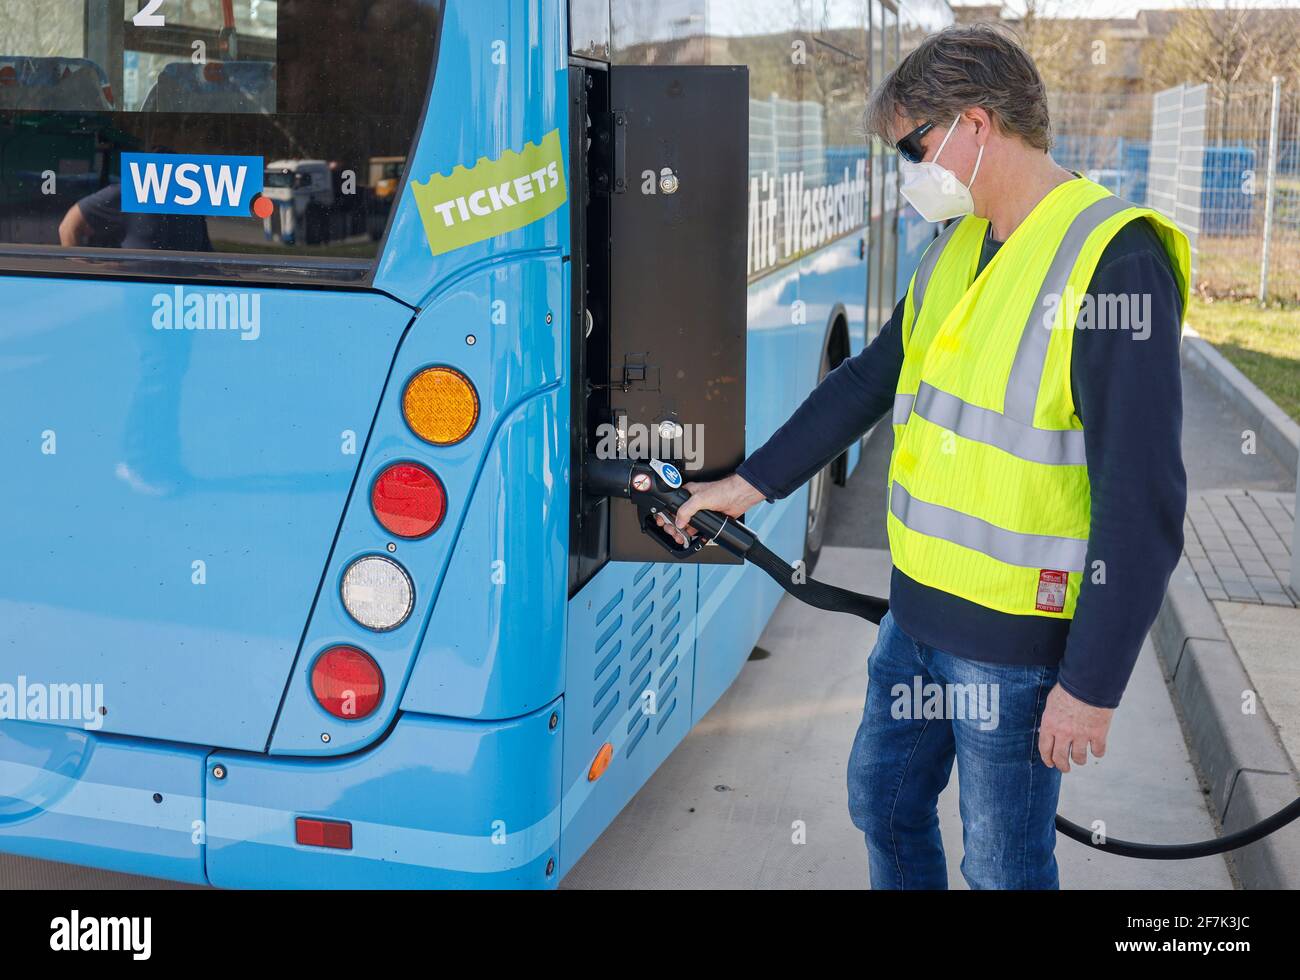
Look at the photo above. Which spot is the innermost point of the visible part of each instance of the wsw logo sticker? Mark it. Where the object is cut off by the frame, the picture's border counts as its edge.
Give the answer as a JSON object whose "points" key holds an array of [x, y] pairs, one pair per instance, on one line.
{"points": [[177, 183]]}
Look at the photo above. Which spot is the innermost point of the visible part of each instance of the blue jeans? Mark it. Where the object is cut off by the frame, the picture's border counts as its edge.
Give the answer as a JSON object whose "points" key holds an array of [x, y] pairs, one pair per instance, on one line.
{"points": [[924, 708]]}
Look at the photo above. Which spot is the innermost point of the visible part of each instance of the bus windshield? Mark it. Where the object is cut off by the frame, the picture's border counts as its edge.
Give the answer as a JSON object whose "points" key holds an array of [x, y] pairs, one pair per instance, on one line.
{"points": [[102, 102]]}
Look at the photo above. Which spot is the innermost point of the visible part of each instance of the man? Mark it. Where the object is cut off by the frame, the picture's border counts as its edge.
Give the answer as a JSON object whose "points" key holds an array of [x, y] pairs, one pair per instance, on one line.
{"points": [[1036, 484]]}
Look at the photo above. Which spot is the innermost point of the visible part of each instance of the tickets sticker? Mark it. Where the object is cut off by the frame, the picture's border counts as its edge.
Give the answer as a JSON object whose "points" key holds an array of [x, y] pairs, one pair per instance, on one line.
{"points": [[492, 197]]}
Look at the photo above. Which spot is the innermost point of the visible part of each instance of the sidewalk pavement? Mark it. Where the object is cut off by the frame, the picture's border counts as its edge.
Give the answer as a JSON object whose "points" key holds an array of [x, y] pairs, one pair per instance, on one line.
{"points": [[1228, 634], [1239, 545], [1237, 542], [1231, 667]]}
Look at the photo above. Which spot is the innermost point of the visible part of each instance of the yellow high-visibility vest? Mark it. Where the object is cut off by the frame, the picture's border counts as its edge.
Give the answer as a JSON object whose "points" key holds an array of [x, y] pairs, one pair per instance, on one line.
{"points": [[988, 482]]}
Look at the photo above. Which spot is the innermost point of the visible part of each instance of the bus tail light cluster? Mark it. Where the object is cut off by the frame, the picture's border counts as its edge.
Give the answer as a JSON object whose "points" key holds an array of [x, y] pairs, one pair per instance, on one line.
{"points": [[347, 683], [440, 405], [408, 500], [378, 593]]}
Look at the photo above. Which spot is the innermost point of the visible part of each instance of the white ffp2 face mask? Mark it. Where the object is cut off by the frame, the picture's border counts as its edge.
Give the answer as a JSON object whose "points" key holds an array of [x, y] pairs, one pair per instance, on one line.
{"points": [[935, 191]]}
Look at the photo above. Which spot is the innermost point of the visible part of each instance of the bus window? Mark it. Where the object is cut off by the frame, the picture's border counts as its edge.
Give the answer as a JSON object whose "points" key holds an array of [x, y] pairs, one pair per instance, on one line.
{"points": [[807, 94], [589, 28], [184, 56], [239, 36], [75, 84], [298, 116]]}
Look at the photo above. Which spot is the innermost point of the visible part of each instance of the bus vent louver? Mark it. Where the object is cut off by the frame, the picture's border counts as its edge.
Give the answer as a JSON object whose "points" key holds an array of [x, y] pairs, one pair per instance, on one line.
{"points": [[657, 619], [637, 650]]}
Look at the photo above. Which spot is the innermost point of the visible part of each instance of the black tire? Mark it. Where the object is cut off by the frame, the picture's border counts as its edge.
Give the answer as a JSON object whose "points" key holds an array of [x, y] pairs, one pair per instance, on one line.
{"points": [[818, 492]]}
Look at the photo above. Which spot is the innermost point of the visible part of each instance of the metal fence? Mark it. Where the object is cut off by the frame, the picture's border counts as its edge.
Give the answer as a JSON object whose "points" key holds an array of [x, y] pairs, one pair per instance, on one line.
{"points": [[1208, 168], [1105, 137], [1251, 228]]}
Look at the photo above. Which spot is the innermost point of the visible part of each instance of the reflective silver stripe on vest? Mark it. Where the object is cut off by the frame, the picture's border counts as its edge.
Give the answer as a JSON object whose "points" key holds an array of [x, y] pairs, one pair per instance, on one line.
{"points": [[1031, 355], [903, 408], [926, 267], [1055, 447], [1009, 547]]}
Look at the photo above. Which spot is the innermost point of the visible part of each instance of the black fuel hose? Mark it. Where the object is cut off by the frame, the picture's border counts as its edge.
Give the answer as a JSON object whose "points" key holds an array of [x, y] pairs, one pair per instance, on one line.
{"points": [[1181, 852], [645, 485], [829, 597]]}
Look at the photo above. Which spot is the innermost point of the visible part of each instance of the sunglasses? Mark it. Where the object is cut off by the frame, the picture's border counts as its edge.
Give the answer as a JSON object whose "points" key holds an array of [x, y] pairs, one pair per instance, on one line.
{"points": [[909, 147]]}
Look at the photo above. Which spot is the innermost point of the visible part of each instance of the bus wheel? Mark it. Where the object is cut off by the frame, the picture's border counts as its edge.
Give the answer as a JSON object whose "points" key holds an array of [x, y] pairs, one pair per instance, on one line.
{"points": [[818, 493]]}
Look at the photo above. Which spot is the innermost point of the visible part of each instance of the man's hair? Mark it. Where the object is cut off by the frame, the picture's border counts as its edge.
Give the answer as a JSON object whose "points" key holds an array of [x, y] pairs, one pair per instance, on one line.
{"points": [[956, 69]]}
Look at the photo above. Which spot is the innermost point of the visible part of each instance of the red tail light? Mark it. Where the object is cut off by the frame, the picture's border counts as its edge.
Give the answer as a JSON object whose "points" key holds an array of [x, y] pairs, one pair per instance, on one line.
{"points": [[408, 500], [347, 683]]}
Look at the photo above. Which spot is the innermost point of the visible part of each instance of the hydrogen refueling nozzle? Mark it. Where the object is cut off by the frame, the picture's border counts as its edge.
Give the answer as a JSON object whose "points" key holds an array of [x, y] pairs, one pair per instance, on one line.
{"points": [[656, 487]]}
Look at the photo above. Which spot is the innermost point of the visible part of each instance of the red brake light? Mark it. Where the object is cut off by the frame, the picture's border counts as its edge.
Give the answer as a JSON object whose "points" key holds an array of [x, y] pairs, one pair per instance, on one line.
{"points": [[408, 500], [347, 683], [324, 833]]}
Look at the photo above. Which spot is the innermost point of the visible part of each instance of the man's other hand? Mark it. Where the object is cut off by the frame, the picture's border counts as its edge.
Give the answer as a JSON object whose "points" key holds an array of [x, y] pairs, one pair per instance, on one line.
{"points": [[1069, 727]]}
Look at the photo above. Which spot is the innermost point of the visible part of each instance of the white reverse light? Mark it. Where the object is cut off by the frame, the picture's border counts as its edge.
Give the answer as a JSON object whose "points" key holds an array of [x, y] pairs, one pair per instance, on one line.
{"points": [[377, 593]]}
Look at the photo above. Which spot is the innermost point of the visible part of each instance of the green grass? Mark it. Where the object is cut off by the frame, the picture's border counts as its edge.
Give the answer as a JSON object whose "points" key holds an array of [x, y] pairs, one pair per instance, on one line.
{"points": [[1229, 267], [1263, 344]]}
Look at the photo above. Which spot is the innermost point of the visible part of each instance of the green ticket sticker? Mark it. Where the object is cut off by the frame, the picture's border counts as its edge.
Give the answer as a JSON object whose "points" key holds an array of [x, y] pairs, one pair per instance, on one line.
{"points": [[493, 196]]}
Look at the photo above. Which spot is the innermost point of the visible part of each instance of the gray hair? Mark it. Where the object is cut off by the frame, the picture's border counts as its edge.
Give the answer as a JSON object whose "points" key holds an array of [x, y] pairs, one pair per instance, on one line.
{"points": [[956, 69]]}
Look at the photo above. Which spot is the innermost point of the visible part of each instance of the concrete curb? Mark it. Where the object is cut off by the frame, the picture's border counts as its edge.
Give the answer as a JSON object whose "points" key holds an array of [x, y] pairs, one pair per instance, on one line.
{"points": [[1249, 773], [1276, 430]]}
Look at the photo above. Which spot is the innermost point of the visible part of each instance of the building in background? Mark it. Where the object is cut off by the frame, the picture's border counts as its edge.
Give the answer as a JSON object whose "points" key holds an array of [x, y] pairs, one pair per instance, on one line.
{"points": [[1103, 76]]}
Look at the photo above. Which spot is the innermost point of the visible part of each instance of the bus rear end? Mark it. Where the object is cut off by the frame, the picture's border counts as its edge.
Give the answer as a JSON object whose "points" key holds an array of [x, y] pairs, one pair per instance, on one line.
{"points": [[283, 591], [313, 315]]}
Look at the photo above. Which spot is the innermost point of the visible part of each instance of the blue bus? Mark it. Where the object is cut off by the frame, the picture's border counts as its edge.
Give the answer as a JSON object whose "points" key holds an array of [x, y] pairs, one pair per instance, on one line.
{"points": [[312, 313]]}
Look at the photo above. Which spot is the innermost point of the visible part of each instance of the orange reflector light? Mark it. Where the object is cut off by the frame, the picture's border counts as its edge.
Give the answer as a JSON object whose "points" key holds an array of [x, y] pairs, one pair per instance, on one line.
{"points": [[440, 405], [600, 763], [324, 833]]}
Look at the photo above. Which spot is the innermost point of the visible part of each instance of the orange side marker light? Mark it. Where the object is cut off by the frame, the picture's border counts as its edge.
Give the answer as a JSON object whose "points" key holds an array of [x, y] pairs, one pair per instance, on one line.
{"points": [[600, 763]]}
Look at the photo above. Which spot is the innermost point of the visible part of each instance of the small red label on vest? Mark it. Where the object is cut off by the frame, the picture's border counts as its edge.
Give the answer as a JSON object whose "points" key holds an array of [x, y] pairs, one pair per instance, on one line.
{"points": [[1051, 590]]}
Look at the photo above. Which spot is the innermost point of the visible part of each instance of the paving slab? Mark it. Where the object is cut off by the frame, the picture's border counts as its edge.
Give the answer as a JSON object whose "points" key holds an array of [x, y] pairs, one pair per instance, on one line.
{"points": [[1267, 640]]}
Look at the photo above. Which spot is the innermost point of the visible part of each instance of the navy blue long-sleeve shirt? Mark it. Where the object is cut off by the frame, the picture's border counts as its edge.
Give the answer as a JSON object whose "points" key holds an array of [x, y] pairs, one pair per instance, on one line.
{"points": [[1128, 396]]}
